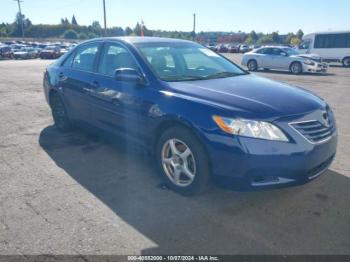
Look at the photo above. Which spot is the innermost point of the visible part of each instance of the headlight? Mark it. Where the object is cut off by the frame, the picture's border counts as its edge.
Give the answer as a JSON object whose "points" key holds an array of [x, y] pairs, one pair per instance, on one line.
{"points": [[309, 62], [250, 128]]}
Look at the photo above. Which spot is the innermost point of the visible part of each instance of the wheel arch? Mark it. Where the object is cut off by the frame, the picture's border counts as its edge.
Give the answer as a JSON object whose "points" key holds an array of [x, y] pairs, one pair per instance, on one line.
{"points": [[51, 93], [343, 60], [177, 122], [293, 62]]}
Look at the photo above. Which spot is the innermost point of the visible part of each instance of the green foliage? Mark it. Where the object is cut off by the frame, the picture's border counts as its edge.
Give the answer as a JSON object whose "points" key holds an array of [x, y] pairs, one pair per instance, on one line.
{"points": [[72, 30], [300, 34], [92, 35], [70, 34], [82, 36], [128, 31], [250, 40], [253, 37], [74, 21], [295, 41], [265, 40]]}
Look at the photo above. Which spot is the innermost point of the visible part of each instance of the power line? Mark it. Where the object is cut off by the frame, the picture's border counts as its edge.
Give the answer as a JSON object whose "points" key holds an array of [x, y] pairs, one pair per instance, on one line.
{"points": [[20, 14]]}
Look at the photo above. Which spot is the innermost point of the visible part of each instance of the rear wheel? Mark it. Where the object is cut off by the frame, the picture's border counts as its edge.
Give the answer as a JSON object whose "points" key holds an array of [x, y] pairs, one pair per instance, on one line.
{"points": [[296, 68], [346, 62], [252, 65], [59, 113], [183, 162]]}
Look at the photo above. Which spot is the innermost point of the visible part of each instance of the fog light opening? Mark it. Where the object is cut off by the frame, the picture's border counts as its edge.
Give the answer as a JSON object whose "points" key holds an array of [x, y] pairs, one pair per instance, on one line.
{"points": [[265, 179]]}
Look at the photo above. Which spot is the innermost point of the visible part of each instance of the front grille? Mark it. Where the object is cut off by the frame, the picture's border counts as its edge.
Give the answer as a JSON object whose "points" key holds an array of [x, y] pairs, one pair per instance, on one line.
{"points": [[315, 131]]}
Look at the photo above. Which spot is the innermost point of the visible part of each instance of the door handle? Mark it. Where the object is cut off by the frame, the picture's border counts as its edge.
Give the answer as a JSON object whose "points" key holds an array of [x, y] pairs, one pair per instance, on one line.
{"points": [[95, 84], [62, 77]]}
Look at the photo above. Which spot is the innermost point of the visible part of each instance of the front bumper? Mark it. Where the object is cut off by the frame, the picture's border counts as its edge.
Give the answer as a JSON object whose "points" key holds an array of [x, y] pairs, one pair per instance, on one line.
{"points": [[261, 164], [316, 68]]}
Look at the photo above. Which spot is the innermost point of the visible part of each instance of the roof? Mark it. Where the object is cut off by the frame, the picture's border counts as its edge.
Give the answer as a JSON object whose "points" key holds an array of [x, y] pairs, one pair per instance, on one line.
{"points": [[138, 39], [329, 32]]}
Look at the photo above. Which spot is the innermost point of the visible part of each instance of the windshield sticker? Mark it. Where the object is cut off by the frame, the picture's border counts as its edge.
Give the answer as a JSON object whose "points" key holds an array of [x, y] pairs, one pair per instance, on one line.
{"points": [[208, 52]]}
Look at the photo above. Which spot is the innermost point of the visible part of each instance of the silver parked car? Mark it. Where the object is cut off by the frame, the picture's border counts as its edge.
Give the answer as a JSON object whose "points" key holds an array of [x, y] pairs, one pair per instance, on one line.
{"points": [[283, 58]]}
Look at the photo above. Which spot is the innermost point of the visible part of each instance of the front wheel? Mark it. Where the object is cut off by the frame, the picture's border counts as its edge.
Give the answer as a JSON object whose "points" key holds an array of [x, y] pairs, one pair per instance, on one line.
{"points": [[346, 62], [296, 68], [252, 65], [182, 161]]}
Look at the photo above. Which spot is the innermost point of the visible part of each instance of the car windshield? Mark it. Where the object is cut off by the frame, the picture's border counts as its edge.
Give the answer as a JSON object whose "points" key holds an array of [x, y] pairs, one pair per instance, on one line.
{"points": [[175, 62], [291, 51]]}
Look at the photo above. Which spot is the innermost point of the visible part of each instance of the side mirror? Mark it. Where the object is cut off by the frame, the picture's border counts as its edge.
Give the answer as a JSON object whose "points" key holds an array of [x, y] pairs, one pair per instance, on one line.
{"points": [[284, 54], [128, 75]]}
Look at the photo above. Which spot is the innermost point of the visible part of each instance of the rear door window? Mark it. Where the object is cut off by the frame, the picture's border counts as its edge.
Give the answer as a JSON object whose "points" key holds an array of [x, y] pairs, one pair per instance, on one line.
{"points": [[85, 57]]}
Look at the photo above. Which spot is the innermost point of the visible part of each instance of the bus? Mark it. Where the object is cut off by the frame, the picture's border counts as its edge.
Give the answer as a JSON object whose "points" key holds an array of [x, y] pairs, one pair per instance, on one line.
{"points": [[330, 46]]}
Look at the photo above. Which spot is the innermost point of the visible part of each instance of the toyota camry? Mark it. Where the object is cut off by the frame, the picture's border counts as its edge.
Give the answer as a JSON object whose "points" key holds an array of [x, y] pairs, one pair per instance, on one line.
{"points": [[200, 115]]}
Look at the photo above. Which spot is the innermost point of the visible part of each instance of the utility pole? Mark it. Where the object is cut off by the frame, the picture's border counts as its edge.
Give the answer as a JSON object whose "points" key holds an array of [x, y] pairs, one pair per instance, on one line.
{"points": [[194, 23], [104, 17], [194, 26], [20, 13]]}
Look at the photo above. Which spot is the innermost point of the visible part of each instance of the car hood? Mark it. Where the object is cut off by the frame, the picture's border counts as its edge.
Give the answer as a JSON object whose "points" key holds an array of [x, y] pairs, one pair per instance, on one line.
{"points": [[313, 57], [250, 96]]}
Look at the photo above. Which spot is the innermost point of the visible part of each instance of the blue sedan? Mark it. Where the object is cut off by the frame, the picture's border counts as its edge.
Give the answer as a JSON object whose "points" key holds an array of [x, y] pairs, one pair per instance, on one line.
{"points": [[200, 115]]}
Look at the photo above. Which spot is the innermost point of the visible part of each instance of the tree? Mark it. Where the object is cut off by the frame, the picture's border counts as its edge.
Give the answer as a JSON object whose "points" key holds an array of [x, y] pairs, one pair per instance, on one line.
{"points": [[92, 35], [82, 36], [295, 41], [128, 31], [289, 38], [137, 29], [253, 36], [275, 37], [250, 40], [300, 34], [74, 21], [267, 39], [64, 21], [70, 34]]}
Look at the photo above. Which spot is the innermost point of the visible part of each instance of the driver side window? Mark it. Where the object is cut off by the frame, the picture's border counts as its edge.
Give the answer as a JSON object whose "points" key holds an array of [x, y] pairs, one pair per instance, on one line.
{"points": [[115, 57]]}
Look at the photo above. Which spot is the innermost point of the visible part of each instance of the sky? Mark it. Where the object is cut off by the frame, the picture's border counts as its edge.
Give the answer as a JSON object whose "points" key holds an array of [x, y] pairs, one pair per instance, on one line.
{"points": [[225, 15]]}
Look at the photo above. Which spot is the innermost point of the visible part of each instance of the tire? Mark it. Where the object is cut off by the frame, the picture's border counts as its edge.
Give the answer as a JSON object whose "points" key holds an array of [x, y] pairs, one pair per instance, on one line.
{"points": [[296, 68], [189, 157], [252, 65], [59, 114], [346, 61]]}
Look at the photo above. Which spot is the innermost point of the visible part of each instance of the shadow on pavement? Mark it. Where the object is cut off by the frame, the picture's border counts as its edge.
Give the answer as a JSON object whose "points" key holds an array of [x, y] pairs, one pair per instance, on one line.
{"points": [[311, 219]]}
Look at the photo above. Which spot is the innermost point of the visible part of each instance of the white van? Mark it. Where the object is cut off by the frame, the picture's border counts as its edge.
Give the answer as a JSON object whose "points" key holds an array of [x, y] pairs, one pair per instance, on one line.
{"points": [[330, 46]]}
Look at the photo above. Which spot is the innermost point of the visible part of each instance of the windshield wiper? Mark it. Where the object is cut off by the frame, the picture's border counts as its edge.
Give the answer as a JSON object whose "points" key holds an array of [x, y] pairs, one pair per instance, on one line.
{"points": [[222, 75], [184, 78]]}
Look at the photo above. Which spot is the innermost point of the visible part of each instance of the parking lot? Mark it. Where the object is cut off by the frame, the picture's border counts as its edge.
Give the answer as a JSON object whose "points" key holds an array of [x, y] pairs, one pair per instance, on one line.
{"points": [[78, 194]]}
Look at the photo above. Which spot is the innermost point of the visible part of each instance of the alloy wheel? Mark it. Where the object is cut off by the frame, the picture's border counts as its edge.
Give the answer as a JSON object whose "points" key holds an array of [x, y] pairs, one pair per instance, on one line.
{"points": [[347, 62], [178, 163], [252, 66], [296, 68]]}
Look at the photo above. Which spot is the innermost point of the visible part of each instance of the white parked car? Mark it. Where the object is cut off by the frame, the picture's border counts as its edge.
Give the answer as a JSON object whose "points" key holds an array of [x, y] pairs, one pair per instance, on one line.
{"points": [[331, 46], [243, 48], [283, 58]]}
